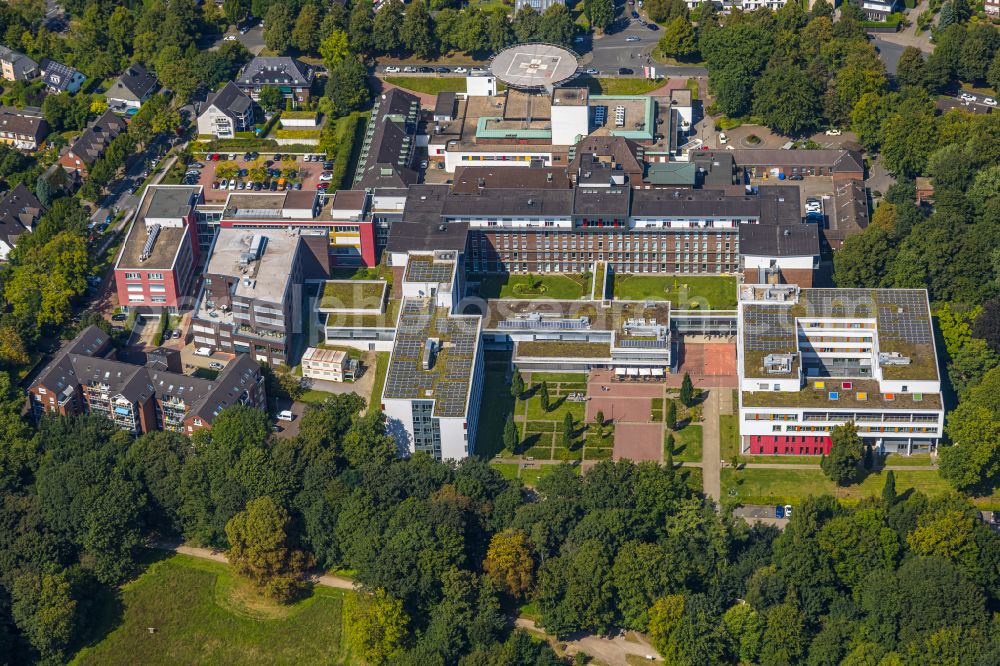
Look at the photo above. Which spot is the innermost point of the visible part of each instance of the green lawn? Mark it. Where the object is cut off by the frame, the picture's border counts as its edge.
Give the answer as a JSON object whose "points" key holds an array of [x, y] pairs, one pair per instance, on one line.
{"points": [[530, 477], [557, 409], [687, 444], [381, 370], [351, 294], [918, 460], [193, 605], [685, 292], [431, 85], [612, 86], [577, 378], [493, 409], [773, 486], [553, 286], [729, 435]]}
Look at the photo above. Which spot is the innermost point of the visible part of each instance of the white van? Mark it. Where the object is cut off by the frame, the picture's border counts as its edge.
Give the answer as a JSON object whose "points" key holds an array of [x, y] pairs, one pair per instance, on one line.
{"points": [[203, 351], [285, 415]]}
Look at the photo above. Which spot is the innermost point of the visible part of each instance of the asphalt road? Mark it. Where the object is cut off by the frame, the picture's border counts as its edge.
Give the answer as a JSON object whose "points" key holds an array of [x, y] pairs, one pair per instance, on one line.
{"points": [[889, 53]]}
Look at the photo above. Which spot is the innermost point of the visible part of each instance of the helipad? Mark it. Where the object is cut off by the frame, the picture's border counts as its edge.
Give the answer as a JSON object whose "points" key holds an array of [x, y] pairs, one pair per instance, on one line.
{"points": [[534, 66]]}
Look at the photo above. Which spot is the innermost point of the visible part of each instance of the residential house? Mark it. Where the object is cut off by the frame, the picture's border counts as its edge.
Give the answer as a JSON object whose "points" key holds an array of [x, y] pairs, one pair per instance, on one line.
{"points": [[90, 146], [291, 76], [23, 129], [226, 112], [15, 66], [132, 89], [61, 78], [86, 377], [20, 211]]}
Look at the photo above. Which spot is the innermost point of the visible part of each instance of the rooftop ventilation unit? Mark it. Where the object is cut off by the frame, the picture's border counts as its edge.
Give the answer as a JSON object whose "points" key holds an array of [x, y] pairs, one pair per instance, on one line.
{"points": [[147, 248], [892, 358], [778, 363], [430, 349]]}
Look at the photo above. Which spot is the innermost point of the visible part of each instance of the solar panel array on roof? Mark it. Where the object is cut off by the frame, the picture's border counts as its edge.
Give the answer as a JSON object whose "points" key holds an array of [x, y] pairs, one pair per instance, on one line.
{"points": [[447, 381], [903, 315], [553, 324], [418, 270], [768, 328]]}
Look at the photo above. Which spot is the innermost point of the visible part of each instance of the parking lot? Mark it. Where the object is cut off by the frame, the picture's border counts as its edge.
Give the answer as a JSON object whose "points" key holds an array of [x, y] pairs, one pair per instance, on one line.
{"points": [[307, 173]]}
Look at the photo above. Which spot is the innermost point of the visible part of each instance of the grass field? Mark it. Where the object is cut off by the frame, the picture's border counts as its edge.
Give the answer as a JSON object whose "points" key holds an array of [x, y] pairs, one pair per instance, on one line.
{"points": [[687, 444], [493, 409], [612, 86], [685, 292], [202, 615], [554, 286], [729, 435], [773, 486], [431, 85]]}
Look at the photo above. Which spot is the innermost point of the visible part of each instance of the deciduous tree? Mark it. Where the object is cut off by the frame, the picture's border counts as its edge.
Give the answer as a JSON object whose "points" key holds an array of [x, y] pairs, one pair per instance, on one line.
{"points": [[260, 549], [377, 625], [845, 454], [510, 563]]}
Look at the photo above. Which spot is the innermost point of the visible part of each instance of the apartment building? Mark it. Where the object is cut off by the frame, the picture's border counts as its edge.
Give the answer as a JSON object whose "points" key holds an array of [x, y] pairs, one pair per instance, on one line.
{"points": [[434, 383], [156, 266], [251, 299], [86, 377], [812, 359], [291, 76]]}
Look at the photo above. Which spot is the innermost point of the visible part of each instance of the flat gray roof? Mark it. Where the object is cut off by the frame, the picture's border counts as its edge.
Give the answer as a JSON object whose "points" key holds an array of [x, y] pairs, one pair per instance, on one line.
{"points": [[169, 201], [266, 278]]}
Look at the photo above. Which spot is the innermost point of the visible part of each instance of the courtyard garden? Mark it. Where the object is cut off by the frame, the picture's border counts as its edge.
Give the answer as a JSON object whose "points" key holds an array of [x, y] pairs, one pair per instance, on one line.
{"points": [[568, 287], [685, 292]]}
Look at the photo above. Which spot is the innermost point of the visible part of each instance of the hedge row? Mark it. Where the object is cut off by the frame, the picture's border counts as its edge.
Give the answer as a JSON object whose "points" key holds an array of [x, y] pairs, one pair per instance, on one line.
{"points": [[344, 150]]}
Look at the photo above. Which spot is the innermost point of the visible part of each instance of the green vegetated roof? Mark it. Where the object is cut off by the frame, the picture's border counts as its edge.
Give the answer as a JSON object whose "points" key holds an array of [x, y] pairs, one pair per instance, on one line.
{"points": [[352, 295], [559, 349]]}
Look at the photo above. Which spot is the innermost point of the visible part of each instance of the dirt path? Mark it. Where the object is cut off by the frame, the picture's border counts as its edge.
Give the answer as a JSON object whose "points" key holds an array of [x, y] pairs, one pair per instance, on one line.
{"points": [[325, 580], [612, 651]]}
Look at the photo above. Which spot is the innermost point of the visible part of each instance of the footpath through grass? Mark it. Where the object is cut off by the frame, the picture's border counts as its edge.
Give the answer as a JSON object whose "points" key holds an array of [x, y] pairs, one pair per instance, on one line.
{"points": [[201, 617], [685, 292]]}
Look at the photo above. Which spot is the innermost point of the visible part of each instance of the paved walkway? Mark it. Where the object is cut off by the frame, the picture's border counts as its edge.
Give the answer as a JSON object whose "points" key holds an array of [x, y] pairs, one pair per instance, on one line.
{"points": [[612, 651], [711, 447], [325, 580]]}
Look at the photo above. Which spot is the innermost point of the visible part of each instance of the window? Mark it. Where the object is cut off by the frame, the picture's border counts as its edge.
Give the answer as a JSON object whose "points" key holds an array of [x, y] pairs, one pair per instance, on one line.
{"points": [[155, 276], [136, 298], [133, 276], [158, 299]]}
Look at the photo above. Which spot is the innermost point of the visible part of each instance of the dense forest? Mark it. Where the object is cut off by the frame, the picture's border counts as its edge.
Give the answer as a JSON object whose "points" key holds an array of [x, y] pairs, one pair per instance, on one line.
{"points": [[448, 551]]}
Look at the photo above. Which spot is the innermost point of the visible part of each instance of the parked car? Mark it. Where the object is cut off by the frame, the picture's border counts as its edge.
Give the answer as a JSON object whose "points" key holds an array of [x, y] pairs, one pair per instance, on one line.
{"points": [[323, 187], [788, 511], [257, 187], [232, 185], [391, 69], [254, 156], [241, 186], [625, 71], [274, 186], [989, 101], [723, 139], [653, 27], [277, 157], [196, 165], [224, 184], [795, 176], [327, 165], [425, 70], [779, 511], [120, 316], [229, 38], [441, 70], [423, 164], [579, 39], [461, 70], [635, 14], [285, 415], [176, 334], [833, 132], [325, 177], [966, 97], [592, 71], [409, 69], [631, 38], [215, 365]]}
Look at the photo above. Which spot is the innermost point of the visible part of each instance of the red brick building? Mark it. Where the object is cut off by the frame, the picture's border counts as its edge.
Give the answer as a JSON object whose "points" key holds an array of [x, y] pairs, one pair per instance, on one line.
{"points": [[156, 267], [86, 377]]}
